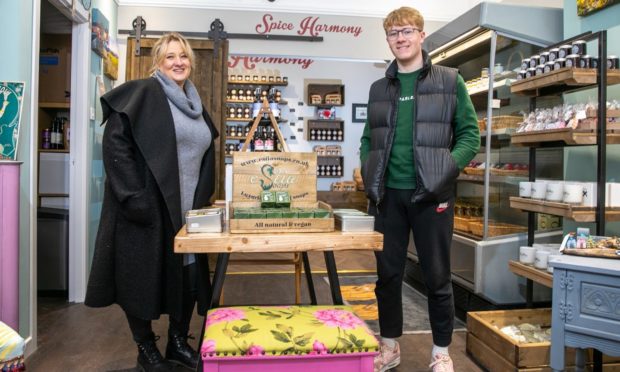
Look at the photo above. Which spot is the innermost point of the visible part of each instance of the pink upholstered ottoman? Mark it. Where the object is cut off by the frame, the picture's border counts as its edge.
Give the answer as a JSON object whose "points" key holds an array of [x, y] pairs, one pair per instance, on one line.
{"points": [[286, 339]]}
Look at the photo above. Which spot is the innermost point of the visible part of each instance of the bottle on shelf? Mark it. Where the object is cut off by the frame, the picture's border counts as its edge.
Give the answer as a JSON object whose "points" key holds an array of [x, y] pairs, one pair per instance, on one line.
{"points": [[46, 137], [259, 141], [269, 144]]}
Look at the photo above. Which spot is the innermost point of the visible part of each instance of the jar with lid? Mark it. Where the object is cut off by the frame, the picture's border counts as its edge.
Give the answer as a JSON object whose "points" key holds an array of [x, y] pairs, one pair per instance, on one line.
{"points": [[534, 60], [565, 50], [544, 58], [554, 53], [525, 63], [585, 61], [559, 63], [612, 62], [572, 60], [578, 47]]}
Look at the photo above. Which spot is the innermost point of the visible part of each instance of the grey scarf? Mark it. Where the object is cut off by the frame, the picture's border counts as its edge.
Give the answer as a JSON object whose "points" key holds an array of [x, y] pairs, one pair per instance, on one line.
{"points": [[188, 102]]}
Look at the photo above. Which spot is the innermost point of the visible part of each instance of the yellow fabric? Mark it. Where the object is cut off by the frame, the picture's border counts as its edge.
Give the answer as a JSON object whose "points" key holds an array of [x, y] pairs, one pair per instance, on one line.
{"points": [[11, 344], [284, 330]]}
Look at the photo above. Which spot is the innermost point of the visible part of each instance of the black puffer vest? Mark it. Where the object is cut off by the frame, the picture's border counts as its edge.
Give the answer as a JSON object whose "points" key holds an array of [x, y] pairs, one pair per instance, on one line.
{"points": [[435, 99]]}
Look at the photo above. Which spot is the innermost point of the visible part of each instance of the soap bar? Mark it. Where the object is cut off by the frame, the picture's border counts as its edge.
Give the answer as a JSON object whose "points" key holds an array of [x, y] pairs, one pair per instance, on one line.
{"points": [[305, 213], [273, 213], [289, 213], [267, 199], [321, 213], [283, 199]]}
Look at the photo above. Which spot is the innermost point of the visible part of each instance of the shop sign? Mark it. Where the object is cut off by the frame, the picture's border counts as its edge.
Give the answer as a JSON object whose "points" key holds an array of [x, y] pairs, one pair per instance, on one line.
{"points": [[249, 63], [309, 26], [10, 114]]}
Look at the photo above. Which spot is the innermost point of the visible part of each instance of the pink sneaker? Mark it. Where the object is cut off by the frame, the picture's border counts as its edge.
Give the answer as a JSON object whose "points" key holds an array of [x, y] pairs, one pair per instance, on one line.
{"points": [[442, 363], [388, 357]]}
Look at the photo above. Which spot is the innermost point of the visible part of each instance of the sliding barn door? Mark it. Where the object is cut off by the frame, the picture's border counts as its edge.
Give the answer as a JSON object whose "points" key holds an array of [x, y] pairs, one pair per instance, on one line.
{"points": [[210, 77]]}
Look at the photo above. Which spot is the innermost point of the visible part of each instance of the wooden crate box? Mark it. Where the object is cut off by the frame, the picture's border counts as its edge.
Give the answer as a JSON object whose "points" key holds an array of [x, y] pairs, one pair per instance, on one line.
{"points": [[295, 172], [495, 351]]}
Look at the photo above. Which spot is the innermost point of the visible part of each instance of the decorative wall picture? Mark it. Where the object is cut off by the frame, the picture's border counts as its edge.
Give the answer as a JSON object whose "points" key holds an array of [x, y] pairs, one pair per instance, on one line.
{"points": [[359, 114], [585, 7], [110, 61], [10, 114], [99, 35]]}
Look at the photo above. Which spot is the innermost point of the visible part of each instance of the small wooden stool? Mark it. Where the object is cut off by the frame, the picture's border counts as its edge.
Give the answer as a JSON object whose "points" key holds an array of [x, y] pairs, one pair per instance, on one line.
{"points": [[287, 338], [12, 347]]}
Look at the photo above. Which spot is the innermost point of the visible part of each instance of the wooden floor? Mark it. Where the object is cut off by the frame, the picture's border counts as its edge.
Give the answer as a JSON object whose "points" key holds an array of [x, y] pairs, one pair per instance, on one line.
{"points": [[73, 337]]}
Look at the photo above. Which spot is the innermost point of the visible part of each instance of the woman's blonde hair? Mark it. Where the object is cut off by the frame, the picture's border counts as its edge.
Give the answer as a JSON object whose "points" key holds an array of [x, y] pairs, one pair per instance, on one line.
{"points": [[403, 16], [159, 49]]}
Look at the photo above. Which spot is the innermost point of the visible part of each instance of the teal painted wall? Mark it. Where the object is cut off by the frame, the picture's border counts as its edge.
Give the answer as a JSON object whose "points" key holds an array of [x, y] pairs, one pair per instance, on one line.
{"points": [[580, 163], [95, 133], [16, 65]]}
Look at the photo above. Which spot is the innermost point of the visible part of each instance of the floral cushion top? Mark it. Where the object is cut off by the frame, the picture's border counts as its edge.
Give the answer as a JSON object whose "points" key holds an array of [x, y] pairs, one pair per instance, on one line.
{"points": [[284, 330], [12, 347]]}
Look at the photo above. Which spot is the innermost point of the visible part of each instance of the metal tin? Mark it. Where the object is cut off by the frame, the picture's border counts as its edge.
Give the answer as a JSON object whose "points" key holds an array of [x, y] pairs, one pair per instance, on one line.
{"points": [[559, 63], [578, 47], [353, 220], [612, 62], [540, 69], [204, 220], [534, 60], [584, 61], [544, 58], [530, 72], [572, 60], [553, 53], [525, 63], [548, 67], [565, 50], [594, 62]]}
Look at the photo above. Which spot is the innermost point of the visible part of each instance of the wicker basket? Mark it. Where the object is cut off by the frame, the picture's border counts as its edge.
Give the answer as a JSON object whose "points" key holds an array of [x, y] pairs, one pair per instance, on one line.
{"points": [[506, 121], [474, 171], [510, 172], [495, 228]]}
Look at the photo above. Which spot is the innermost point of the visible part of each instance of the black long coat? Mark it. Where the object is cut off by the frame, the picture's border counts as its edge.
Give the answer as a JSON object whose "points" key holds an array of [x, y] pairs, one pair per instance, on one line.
{"points": [[134, 264]]}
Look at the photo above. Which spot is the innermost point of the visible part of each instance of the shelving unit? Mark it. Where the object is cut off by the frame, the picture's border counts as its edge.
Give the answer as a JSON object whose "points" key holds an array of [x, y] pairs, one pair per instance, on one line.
{"points": [[246, 104], [557, 82]]}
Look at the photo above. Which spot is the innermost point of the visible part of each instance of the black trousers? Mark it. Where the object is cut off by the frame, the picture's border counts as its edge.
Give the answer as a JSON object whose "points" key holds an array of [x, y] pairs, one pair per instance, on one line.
{"points": [[142, 330], [432, 227]]}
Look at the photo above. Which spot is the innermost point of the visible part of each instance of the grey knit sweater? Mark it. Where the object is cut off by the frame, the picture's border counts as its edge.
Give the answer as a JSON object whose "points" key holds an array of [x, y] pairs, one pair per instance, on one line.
{"points": [[192, 135]]}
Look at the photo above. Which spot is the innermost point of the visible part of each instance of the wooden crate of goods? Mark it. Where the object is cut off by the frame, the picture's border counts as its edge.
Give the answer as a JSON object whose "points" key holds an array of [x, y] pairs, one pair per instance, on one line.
{"points": [[276, 192], [333, 99], [505, 121], [516, 340]]}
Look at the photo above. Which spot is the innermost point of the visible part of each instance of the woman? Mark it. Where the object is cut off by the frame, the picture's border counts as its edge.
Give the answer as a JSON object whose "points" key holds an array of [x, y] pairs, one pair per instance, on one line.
{"points": [[159, 159]]}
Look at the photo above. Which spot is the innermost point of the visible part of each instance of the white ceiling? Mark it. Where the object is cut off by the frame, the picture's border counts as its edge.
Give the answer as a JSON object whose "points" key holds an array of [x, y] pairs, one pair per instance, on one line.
{"points": [[437, 10]]}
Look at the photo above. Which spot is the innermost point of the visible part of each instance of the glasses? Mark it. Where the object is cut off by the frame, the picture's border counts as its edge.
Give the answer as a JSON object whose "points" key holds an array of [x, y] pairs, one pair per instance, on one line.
{"points": [[406, 32]]}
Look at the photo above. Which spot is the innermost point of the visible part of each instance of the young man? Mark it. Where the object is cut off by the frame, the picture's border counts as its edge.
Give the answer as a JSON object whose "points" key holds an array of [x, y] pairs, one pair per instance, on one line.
{"points": [[420, 132]]}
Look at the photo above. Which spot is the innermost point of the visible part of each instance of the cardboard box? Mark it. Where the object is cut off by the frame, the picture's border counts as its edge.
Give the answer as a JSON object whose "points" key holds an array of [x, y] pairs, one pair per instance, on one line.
{"points": [[55, 75]]}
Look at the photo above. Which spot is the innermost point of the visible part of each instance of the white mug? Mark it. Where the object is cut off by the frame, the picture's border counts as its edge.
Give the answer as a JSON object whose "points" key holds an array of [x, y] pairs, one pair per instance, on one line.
{"points": [[589, 194], [539, 190], [525, 189], [527, 255], [541, 259], [573, 193], [555, 191]]}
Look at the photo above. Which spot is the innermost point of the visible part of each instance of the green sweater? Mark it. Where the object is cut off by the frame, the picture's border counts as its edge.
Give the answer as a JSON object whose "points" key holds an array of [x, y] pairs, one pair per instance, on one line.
{"points": [[401, 167]]}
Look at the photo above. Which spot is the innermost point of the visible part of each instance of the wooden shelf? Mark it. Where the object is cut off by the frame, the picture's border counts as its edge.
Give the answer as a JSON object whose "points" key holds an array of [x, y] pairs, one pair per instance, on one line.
{"points": [[273, 83], [513, 180], [562, 136], [497, 84], [239, 101], [62, 151], [55, 105], [560, 81], [249, 120], [574, 212], [540, 276]]}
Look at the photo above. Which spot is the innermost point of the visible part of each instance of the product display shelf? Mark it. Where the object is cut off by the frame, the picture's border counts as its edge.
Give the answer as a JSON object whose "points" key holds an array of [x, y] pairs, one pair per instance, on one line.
{"points": [[562, 136], [574, 212], [540, 276], [560, 81], [258, 83]]}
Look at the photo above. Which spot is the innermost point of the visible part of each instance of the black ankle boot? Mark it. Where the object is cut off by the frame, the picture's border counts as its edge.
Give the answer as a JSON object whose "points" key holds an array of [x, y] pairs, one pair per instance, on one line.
{"points": [[178, 351], [150, 359]]}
